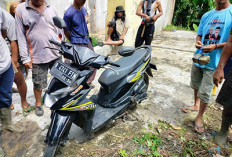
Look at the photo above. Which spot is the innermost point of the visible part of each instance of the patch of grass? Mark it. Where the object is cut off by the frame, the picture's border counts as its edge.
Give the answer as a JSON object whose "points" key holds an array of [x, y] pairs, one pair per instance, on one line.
{"points": [[149, 144], [122, 153], [173, 28], [95, 40]]}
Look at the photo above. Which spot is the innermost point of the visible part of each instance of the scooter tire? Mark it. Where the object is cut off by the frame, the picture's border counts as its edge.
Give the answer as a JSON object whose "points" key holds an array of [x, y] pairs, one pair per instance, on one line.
{"points": [[50, 151]]}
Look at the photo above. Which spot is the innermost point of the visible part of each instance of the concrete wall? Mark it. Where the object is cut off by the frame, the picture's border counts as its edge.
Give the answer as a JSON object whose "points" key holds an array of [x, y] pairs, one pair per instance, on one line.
{"points": [[131, 7], [101, 14], [168, 11], [101, 11]]}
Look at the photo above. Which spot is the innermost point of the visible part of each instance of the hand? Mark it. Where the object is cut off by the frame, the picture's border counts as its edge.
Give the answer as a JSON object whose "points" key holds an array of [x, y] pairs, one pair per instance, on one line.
{"points": [[121, 37], [147, 18], [218, 76], [199, 45], [154, 18], [209, 48], [28, 65]]}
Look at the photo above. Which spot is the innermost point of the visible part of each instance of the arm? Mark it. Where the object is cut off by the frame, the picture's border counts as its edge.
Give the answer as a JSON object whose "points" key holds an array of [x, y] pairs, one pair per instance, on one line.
{"points": [[66, 31], [22, 42], [199, 44], [15, 52], [124, 33], [226, 54], [211, 47], [139, 13], [10, 33], [157, 5]]}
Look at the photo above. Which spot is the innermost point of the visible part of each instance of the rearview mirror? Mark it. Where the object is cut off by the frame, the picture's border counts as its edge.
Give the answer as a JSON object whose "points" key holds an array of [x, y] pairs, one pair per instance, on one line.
{"points": [[59, 22]]}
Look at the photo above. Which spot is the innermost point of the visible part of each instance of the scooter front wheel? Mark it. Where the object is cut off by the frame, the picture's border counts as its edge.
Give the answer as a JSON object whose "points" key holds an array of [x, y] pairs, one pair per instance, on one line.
{"points": [[50, 151]]}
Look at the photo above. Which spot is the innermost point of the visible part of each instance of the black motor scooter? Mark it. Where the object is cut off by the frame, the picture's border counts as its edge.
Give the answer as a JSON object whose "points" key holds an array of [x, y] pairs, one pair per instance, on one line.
{"points": [[124, 83]]}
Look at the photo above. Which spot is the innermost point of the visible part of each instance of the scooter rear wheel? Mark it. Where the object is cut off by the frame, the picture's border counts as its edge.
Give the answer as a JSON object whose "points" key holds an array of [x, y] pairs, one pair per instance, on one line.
{"points": [[50, 151]]}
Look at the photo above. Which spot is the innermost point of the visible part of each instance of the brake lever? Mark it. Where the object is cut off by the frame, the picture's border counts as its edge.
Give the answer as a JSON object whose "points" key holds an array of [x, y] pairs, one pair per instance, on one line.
{"points": [[107, 67]]}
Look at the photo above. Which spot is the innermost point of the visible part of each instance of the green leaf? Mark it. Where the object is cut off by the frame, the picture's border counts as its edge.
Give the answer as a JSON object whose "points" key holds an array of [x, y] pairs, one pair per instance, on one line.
{"points": [[195, 27]]}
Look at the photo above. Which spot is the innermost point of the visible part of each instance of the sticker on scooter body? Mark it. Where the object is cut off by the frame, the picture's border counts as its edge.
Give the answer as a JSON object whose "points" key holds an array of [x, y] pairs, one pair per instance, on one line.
{"points": [[64, 73]]}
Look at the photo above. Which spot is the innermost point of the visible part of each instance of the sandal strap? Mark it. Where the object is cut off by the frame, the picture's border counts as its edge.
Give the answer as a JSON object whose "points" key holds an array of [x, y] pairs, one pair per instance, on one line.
{"points": [[29, 108]]}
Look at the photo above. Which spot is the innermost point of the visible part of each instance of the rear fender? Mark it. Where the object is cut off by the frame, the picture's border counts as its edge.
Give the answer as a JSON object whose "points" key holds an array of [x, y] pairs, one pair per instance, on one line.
{"points": [[153, 66], [148, 71]]}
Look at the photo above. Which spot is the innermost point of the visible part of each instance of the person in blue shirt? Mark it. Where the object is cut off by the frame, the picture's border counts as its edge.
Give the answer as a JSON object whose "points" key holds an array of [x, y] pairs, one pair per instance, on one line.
{"points": [[77, 30], [218, 20]]}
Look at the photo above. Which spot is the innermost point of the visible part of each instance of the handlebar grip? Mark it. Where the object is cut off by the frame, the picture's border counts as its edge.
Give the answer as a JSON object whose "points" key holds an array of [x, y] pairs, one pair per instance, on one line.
{"points": [[55, 42], [116, 65]]}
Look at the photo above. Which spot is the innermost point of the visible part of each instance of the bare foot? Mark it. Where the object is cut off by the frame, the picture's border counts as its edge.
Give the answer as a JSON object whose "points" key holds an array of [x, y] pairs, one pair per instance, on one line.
{"points": [[199, 127], [193, 108], [25, 104], [108, 40]]}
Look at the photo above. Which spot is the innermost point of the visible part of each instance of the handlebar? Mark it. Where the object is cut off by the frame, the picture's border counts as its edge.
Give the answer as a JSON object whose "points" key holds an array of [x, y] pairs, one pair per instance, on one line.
{"points": [[116, 65], [55, 42]]}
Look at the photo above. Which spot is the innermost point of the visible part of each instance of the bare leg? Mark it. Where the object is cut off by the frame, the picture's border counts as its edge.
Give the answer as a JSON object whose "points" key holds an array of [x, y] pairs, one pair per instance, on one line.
{"points": [[38, 94], [22, 87], [199, 119], [110, 31], [196, 105], [113, 42]]}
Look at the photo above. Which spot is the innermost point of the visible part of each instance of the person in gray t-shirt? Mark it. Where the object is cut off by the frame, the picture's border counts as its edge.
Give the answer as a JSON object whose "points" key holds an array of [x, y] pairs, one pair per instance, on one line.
{"points": [[7, 23], [35, 27]]}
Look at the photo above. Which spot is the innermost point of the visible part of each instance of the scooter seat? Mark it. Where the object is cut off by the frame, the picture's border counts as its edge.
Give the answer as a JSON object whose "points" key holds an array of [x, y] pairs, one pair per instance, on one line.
{"points": [[127, 65]]}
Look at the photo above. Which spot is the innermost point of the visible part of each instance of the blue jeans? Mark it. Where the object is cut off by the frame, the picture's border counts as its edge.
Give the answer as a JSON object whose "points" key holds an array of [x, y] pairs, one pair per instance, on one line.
{"points": [[6, 83]]}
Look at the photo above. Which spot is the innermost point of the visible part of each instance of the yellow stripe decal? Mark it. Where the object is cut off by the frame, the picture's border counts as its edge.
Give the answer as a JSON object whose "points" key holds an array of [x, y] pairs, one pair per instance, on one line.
{"points": [[80, 105], [138, 76], [70, 104]]}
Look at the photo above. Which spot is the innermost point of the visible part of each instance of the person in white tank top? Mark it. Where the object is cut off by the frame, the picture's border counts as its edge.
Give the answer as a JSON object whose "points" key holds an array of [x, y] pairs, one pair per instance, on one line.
{"points": [[149, 16]]}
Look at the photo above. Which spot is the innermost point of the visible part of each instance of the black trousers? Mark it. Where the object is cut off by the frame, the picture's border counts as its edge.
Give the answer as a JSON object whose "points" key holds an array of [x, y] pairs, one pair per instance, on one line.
{"points": [[147, 37]]}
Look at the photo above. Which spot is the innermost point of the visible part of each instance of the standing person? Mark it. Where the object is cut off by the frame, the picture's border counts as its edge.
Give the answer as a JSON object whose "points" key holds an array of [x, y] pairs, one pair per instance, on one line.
{"points": [[202, 75], [14, 5], [118, 27], [19, 76], [77, 30], [225, 96], [7, 23], [146, 32], [34, 30]]}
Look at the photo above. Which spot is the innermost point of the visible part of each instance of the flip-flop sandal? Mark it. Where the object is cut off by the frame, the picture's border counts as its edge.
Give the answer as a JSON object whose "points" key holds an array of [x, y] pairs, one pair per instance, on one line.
{"points": [[28, 109], [199, 127], [188, 110], [15, 90]]}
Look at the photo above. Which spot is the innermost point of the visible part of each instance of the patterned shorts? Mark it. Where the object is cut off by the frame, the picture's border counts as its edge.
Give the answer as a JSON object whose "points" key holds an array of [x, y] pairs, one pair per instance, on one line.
{"points": [[39, 74]]}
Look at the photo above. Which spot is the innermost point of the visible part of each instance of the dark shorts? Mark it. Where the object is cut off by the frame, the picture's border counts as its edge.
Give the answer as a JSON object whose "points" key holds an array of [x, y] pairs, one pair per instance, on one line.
{"points": [[40, 73], [225, 95], [6, 83], [147, 37]]}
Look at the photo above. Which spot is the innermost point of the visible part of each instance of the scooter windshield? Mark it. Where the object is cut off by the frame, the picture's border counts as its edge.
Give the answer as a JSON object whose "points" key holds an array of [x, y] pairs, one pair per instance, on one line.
{"points": [[84, 55]]}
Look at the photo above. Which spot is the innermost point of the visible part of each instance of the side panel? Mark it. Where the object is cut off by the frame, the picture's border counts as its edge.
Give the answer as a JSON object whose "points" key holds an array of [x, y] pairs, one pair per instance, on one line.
{"points": [[138, 73]]}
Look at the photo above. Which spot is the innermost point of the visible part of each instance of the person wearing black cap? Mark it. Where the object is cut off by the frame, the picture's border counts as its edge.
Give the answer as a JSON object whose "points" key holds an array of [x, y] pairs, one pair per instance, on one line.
{"points": [[147, 11], [118, 27]]}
